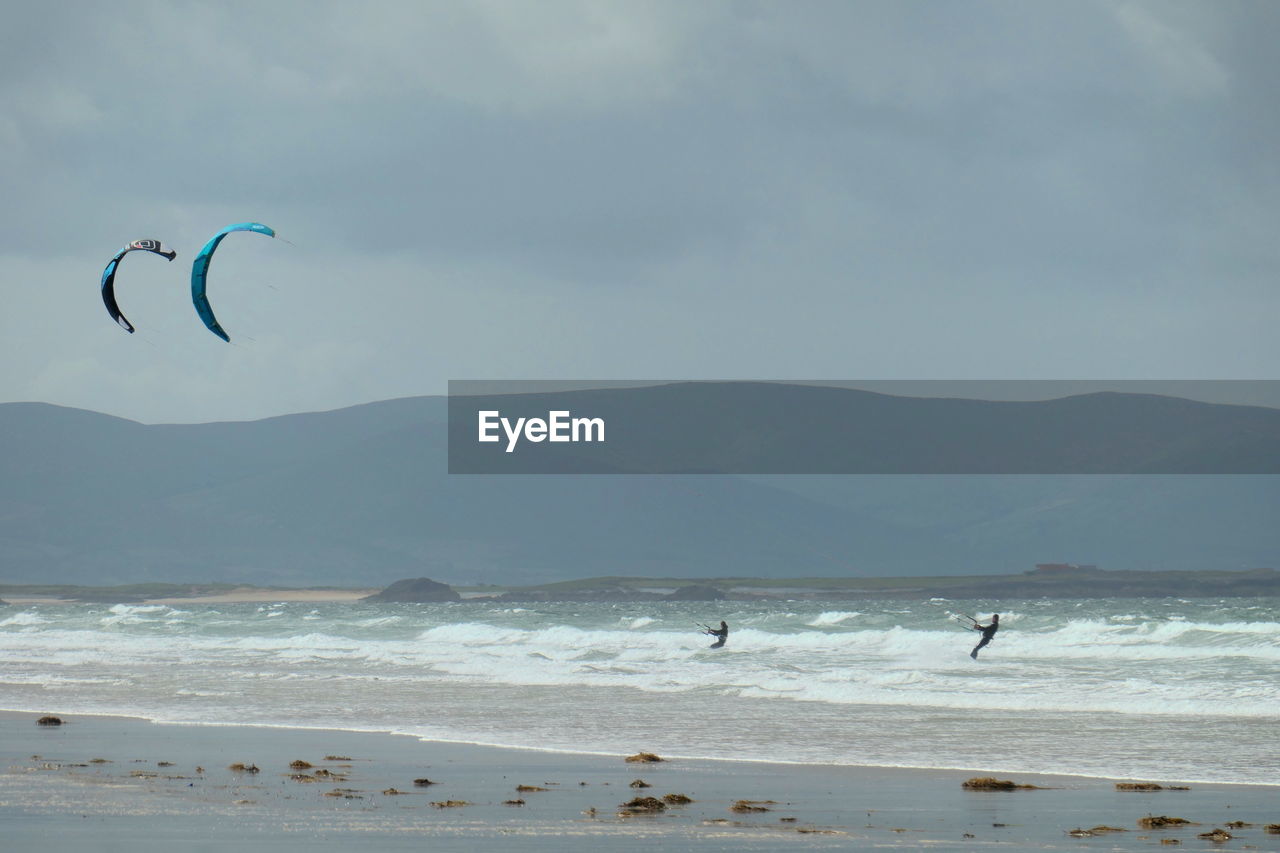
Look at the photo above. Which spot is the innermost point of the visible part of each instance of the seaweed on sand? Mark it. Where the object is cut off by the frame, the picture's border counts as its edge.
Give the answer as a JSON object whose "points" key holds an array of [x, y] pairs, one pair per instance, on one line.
{"points": [[1161, 822], [643, 805], [990, 783]]}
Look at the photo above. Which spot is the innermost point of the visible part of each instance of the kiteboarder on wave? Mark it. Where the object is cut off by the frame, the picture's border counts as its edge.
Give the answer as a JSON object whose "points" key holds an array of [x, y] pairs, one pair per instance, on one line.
{"points": [[988, 631], [721, 634]]}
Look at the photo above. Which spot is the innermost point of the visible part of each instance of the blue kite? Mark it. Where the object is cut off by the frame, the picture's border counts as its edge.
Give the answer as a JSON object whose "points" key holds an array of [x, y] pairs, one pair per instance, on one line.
{"points": [[200, 269], [109, 276]]}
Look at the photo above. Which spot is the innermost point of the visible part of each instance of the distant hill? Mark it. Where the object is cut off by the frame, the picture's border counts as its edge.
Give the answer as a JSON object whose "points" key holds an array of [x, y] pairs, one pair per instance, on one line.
{"points": [[360, 497]]}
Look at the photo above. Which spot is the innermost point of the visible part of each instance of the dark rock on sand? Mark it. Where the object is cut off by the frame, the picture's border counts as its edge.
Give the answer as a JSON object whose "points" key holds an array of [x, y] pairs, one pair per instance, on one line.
{"points": [[1273, 828], [695, 592], [749, 806], [676, 799], [643, 758], [640, 783], [49, 721], [422, 783], [416, 590]]}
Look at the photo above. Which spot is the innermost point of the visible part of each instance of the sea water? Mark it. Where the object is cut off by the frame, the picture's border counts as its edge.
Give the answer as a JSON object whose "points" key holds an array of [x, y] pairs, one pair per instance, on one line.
{"points": [[1152, 689]]}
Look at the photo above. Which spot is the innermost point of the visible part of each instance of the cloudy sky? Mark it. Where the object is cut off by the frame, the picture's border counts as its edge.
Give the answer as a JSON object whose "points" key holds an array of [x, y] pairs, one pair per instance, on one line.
{"points": [[595, 189]]}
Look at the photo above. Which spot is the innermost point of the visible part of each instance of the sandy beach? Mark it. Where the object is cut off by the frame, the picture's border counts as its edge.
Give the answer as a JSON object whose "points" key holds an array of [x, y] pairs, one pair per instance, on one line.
{"points": [[251, 595], [117, 783]]}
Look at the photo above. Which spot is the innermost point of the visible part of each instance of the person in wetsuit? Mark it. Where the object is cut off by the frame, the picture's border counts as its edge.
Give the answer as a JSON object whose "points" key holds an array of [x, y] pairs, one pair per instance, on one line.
{"points": [[721, 634], [988, 631]]}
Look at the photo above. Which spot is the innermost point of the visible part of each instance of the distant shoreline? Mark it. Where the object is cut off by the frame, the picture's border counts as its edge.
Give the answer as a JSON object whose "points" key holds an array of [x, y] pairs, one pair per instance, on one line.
{"points": [[1071, 582]]}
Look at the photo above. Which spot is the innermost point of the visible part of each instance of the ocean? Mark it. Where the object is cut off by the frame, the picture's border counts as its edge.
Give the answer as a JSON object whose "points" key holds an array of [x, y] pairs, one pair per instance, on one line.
{"points": [[1166, 690]]}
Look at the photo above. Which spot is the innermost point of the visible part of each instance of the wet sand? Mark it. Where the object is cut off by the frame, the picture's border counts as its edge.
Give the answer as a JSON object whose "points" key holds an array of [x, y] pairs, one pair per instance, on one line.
{"points": [[115, 783]]}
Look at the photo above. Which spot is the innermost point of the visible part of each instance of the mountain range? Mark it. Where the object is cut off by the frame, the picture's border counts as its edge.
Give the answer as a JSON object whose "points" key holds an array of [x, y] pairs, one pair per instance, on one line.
{"points": [[362, 496]]}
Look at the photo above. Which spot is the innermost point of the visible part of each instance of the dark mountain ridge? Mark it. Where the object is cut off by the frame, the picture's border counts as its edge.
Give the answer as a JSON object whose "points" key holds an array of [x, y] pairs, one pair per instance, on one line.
{"points": [[361, 497]]}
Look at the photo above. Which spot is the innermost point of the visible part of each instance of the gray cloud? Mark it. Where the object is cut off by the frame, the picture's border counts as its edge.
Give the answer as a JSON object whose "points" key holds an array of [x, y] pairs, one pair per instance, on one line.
{"points": [[983, 189]]}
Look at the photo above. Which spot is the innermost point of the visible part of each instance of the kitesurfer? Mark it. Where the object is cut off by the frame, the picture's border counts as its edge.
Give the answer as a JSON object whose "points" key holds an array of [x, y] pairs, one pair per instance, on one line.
{"points": [[721, 634], [988, 631]]}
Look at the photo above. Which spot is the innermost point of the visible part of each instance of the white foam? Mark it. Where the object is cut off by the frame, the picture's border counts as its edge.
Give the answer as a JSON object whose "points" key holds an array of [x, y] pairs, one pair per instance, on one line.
{"points": [[831, 617], [24, 618]]}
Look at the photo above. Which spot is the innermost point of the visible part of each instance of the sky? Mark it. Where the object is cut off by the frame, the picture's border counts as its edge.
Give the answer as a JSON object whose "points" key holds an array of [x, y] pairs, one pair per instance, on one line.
{"points": [[592, 189]]}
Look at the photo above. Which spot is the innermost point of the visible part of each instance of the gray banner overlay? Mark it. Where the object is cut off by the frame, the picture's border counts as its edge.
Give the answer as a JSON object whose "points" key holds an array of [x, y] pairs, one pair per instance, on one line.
{"points": [[865, 427]]}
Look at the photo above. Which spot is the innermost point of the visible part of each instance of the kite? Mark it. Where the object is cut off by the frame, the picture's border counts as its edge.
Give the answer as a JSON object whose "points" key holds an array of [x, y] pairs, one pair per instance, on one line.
{"points": [[200, 269], [109, 276]]}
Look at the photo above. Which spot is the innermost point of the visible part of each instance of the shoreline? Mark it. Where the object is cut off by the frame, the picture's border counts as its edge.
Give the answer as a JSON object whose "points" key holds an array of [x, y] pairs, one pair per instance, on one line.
{"points": [[1054, 582], [1166, 781], [156, 782]]}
